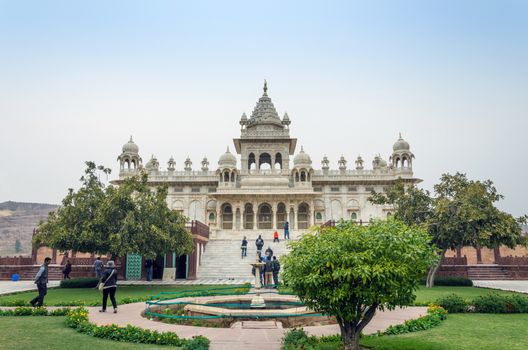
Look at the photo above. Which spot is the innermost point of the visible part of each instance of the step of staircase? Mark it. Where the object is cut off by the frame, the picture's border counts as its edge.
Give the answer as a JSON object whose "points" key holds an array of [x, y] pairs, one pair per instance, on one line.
{"points": [[489, 272], [267, 235], [222, 258]]}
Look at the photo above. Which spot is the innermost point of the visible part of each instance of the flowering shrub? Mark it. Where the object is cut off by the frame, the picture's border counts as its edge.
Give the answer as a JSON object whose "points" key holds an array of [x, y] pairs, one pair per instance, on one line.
{"points": [[435, 315], [78, 319]]}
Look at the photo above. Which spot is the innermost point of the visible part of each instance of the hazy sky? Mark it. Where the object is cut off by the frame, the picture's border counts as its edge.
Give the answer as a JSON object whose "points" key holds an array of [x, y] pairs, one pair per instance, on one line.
{"points": [[77, 78]]}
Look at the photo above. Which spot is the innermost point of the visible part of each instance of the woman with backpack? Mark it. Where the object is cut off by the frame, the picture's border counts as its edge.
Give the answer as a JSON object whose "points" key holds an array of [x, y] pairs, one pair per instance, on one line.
{"points": [[108, 284]]}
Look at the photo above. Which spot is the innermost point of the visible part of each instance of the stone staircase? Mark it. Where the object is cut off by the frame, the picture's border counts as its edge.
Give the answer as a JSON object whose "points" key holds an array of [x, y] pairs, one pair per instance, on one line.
{"points": [[222, 258], [487, 272], [251, 235]]}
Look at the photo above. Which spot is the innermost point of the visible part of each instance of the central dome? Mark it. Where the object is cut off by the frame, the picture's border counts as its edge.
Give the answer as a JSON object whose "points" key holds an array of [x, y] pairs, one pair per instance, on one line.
{"points": [[264, 112]]}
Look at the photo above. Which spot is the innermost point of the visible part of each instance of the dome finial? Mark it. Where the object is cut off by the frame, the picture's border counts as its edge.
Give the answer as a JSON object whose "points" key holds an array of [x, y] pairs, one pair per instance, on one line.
{"points": [[227, 151], [400, 135], [131, 139], [265, 86]]}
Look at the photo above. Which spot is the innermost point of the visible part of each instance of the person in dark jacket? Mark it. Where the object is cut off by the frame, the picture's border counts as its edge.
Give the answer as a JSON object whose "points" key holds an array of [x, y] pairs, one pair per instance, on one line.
{"points": [[259, 243], [41, 280], [244, 247], [286, 230], [109, 279], [98, 267], [67, 269], [149, 266], [276, 269], [269, 253]]}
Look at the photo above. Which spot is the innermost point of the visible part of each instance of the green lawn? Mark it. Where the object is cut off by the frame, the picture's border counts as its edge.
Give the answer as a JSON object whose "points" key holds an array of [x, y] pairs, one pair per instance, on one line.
{"points": [[91, 295], [43, 333], [461, 331]]}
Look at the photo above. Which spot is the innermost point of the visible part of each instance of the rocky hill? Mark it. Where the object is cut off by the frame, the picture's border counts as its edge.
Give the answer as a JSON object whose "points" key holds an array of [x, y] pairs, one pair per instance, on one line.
{"points": [[17, 221]]}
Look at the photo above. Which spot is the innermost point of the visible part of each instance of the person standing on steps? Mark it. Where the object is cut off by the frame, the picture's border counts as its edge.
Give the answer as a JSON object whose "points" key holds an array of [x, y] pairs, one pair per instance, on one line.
{"points": [[269, 253], [276, 237], [41, 280], [268, 272], [109, 279], [259, 243], [286, 230], [98, 267], [244, 247], [276, 269], [67, 269]]}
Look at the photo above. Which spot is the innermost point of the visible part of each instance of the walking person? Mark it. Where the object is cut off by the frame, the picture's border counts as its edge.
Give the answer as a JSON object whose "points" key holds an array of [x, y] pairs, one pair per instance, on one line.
{"points": [[98, 267], [244, 247], [41, 280], [259, 243], [286, 230], [67, 269], [276, 269], [149, 266], [276, 237], [109, 281]]}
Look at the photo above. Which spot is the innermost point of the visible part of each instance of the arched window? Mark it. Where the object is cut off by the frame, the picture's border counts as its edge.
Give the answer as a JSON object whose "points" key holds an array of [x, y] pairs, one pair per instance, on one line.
{"points": [[127, 164], [404, 162], [353, 216], [264, 216], [281, 215], [227, 217], [226, 176], [212, 217], [389, 214], [133, 164], [233, 176], [296, 177], [318, 216], [303, 176], [278, 161], [265, 161], [248, 216], [302, 216], [251, 161]]}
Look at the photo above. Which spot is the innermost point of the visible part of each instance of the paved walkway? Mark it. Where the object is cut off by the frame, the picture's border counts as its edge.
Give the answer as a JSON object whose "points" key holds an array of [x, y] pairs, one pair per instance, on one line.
{"points": [[8, 287], [516, 286], [238, 338]]}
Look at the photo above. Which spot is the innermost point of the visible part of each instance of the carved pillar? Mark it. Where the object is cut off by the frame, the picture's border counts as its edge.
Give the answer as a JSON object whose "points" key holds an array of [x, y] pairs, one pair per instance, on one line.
{"points": [[218, 216], [311, 212], [274, 216], [255, 210], [295, 217]]}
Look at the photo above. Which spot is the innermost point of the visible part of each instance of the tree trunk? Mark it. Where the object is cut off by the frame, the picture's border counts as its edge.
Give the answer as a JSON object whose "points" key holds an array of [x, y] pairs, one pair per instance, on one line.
{"points": [[349, 335], [432, 271]]}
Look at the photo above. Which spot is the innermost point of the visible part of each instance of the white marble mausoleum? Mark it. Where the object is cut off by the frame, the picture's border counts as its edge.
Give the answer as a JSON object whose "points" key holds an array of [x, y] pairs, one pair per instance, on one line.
{"points": [[267, 179]]}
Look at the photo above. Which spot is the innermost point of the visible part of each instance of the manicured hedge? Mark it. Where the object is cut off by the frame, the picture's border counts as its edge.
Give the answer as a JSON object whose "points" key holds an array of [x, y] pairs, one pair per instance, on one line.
{"points": [[435, 315], [78, 319], [494, 303], [451, 281], [29, 311], [82, 282]]}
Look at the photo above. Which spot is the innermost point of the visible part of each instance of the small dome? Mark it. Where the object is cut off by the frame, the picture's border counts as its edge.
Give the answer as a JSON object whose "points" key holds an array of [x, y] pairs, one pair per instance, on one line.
{"points": [[227, 160], [401, 145], [130, 147], [302, 158]]}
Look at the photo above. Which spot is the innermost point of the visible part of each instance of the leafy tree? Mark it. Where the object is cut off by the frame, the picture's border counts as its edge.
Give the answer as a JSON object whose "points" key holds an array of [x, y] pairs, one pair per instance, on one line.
{"points": [[18, 246], [411, 204], [465, 215], [130, 218], [350, 271], [462, 213]]}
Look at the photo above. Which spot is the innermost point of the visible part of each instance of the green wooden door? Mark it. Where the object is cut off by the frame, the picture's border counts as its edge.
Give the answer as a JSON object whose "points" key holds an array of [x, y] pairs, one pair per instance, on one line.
{"points": [[133, 267]]}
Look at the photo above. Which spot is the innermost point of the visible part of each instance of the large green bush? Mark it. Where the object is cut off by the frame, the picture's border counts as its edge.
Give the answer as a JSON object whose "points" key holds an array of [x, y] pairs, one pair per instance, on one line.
{"points": [[82, 282], [452, 303], [494, 303]]}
